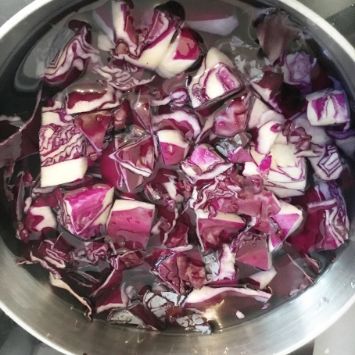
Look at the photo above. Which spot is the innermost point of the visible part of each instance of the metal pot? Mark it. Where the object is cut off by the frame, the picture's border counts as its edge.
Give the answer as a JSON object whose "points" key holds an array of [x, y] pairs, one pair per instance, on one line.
{"points": [[30, 301]]}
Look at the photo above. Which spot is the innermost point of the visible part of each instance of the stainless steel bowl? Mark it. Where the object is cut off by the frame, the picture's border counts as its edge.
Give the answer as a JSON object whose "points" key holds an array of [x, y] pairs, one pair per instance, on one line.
{"points": [[31, 302]]}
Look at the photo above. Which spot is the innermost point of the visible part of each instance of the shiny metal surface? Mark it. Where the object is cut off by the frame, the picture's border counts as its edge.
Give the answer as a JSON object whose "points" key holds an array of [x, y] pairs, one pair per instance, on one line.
{"points": [[31, 302]]}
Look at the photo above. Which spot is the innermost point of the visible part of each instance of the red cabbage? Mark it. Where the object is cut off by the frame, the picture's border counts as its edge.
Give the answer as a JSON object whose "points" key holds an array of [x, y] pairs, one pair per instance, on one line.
{"points": [[135, 152], [268, 86], [91, 252], [284, 98], [39, 219], [232, 118], [52, 254], [149, 50], [147, 318], [260, 114], [124, 76], [220, 195], [292, 276], [182, 53], [253, 250], [326, 162], [233, 194], [326, 225], [297, 70], [180, 271], [328, 107], [159, 168], [289, 219], [201, 298], [111, 294], [173, 147], [165, 221], [71, 60], [127, 260], [216, 18], [58, 282], [194, 322], [84, 211], [234, 149], [176, 98], [275, 31], [220, 267], [212, 232], [262, 279], [140, 108], [21, 143], [110, 169], [344, 139], [124, 316], [167, 189], [94, 126], [283, 171], [267, 135], [182, 120], [121, 115], [130, 222], [214, 80], [63, 154], [203, 164], [53, 112], [314, 143], [91, 97], [178, 236], [163, 45], [316, 135], [161, 303], [125, 35], [156, 42]]}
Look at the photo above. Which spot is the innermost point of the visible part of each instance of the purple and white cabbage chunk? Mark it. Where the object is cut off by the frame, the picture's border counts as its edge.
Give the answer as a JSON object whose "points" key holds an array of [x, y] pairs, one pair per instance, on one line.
{"points": [[326, 162], [289, 219], [124, 76], [84, 211], [275, 32], [73, 59], [205, 296], [164, 45], [297, 69], [216, 230], [326, 225], [252, 249], [283, 171], [216, 18], [204, 164], [39, 219], [180, 271], [129, 223], [328, 107], [173, 146], [317, 146], [232, 118], [90, 97], [181, 54], [214, 80], [220, 267], [185, 121], [63, 154]]}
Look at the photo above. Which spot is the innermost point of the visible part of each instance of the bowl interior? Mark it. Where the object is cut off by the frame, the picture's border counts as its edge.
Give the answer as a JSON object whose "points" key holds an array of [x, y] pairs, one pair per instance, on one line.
{"points": [[49, 314]]}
